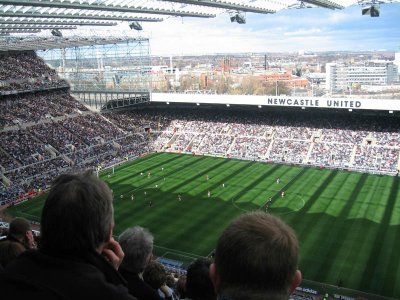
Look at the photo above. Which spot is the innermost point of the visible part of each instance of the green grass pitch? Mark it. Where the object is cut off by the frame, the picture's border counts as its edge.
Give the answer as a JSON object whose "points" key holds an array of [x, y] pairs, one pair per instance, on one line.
{"points": [[347, 223]]}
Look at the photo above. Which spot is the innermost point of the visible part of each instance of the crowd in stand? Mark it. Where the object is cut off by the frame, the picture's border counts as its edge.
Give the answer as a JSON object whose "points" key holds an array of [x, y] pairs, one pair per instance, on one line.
{"points": [[343, 136], [23, 147], [291, 151], [32, 107], [331, 154], [60, 138], [182, 141], [215, 144], [250, 147], [22, 71], [23, 65], [376, 158]]}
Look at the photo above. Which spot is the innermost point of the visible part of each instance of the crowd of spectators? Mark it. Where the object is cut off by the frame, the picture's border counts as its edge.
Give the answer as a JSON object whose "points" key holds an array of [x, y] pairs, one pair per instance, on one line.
{"points": [[182, 141], [32, 107], [369, 157], [23, 147], [22, 71], [7, 162], [331, 154], [290, 151], [250, 147], [298, 140], [127, 267], [58, 137], [92, 128], [215, 144], [343, 136], [19, 65]]}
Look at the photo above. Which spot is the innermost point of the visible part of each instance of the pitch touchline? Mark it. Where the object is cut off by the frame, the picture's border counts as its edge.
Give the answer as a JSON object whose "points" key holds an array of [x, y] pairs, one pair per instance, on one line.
{"points": [[173, 252], [178, 251]]}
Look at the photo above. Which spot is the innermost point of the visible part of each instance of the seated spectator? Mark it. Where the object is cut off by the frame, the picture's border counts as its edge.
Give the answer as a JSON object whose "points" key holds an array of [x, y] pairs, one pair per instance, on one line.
{"points": [[198, 282], [9, 250], [78, 258], [156, 276], [21, 232], [137, 244], [256, 258]]}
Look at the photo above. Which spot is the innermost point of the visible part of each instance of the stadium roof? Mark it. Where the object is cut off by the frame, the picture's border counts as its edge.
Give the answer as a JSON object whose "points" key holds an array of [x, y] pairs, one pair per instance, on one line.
{"points": [[16, 15], [53, 42], [33, 16]]}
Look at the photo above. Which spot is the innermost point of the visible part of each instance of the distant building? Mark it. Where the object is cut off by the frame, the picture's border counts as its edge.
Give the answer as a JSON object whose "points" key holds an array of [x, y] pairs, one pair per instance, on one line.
{"points": [[341, 76], [397, 61]]}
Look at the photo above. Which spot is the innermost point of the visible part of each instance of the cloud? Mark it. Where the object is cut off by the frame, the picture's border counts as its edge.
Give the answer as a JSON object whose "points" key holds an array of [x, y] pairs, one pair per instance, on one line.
{"points": [[302, 32], [288, 30]]}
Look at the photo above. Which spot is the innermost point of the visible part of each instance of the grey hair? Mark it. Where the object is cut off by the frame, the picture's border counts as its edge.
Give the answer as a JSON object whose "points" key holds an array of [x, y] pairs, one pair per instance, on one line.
{"points": [[137, 244]]}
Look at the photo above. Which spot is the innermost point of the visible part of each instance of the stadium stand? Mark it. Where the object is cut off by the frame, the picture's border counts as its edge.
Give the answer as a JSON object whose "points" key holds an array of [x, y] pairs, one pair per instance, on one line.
{"points": [[24, 71], [46, 132]]}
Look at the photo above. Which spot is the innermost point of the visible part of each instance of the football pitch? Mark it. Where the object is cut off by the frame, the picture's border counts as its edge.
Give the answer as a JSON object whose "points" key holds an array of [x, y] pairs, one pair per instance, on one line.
{"points": [[348, 223]]}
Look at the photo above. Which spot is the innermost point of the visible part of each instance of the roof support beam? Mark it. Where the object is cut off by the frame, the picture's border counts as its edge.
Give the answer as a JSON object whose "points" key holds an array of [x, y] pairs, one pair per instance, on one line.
{"points": [[37, 21], [80, 16], [33, 26], [85, 5], [325, 3], [225, 5]]}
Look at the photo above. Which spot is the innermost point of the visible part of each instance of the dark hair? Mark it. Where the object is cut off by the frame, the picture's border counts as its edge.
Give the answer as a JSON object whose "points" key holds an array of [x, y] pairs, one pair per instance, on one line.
{"points": [[18, 228], [77, 214], [137, 244], [155, 275], [181, 287], [256, 253], [198, 283]]}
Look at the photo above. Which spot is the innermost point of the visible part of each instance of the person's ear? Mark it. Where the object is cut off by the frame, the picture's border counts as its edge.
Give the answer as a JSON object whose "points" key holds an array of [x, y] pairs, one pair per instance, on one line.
{"points": [[296, 281], [214, 276]]}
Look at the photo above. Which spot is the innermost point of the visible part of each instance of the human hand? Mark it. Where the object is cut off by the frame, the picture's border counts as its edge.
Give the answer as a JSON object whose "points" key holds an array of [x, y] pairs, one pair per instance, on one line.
{"points": [[113, 253], [166, 291]]}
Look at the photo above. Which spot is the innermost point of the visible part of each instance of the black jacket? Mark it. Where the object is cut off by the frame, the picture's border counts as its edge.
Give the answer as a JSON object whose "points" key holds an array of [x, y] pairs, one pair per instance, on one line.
{"points": [[37, 275], [138, 287]]}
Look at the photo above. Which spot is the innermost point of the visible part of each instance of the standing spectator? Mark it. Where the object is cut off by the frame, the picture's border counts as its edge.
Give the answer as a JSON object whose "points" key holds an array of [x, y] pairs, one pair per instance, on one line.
{"points": [[137, 244], [21, 232], [256, 258], [78, 258], [198, 282]]}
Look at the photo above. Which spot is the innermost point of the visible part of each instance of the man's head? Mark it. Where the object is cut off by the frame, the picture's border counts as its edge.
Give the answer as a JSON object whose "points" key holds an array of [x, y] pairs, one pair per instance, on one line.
{"points": [[198, 282], [137, 244], [77, 215], [155, 275], [20, 230], [256, 258]]}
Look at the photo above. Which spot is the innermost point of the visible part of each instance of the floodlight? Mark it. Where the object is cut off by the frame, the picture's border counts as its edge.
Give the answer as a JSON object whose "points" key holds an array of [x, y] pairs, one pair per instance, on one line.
{"points": [[56, 32], [238, 17], [375, 11], [372, 11], [135, 25]]}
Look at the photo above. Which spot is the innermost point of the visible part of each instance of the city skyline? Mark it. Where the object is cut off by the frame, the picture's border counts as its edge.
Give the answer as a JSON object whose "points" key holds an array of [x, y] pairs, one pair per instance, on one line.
{"points": [[314, 29]]}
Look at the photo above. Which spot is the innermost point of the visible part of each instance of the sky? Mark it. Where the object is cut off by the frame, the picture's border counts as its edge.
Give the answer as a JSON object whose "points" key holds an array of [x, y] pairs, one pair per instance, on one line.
{"points": [[313, 29]]}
